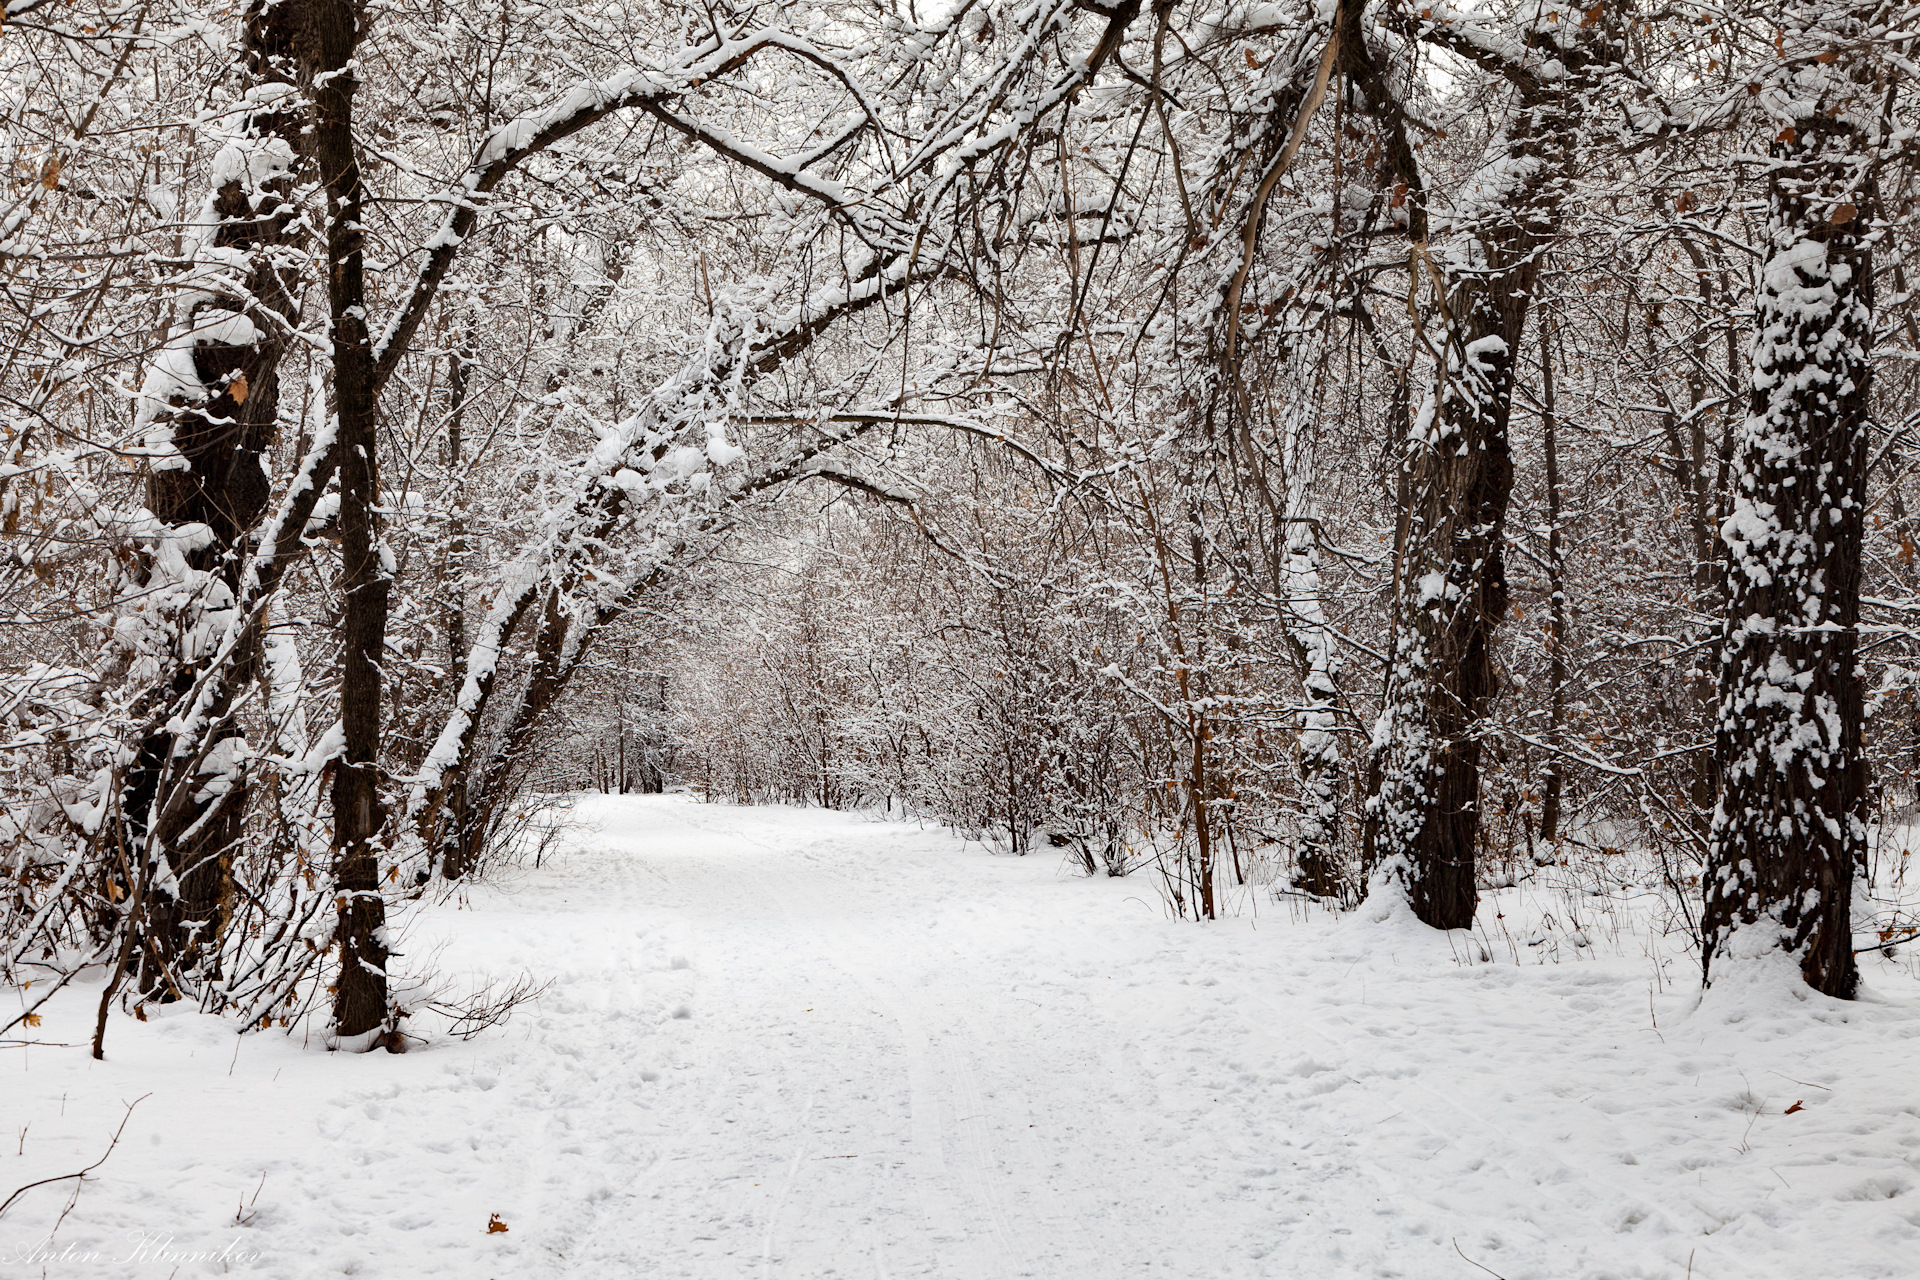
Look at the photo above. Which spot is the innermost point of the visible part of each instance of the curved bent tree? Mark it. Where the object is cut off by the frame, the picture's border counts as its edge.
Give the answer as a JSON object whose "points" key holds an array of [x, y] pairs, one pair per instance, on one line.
{"points": [[1451, 590]]}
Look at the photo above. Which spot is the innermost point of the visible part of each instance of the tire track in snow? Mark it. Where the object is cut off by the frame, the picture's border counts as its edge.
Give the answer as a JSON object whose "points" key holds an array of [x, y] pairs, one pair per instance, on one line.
{"points": [[786, 1187]]}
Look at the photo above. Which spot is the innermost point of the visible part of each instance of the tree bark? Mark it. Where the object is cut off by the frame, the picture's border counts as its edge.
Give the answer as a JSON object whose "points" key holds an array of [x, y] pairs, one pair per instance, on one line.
{"points": [[186, 807], [1791, 825], [360, 998], [1320, 869], [1452, 590], [1557, 602]]}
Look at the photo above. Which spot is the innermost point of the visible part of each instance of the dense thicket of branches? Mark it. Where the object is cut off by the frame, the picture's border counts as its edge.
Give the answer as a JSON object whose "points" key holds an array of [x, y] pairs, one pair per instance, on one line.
{"points": [[1364, 444]]}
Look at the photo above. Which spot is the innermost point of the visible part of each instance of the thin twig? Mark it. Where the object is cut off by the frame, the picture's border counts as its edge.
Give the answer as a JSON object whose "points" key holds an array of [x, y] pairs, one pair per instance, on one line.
{"points": [[20, 1191], [1470, 1262]]}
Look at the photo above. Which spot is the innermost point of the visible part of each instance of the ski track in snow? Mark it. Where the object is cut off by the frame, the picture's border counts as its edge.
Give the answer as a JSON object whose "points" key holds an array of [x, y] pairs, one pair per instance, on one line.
{"points": [[792, 1043]]}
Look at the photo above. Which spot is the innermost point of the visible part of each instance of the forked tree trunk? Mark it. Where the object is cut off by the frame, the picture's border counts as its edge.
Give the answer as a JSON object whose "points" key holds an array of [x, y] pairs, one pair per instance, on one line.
{"points": [[1791, 824]]}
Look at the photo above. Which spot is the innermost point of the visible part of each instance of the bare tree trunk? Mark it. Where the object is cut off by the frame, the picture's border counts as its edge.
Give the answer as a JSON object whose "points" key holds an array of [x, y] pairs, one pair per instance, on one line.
{"points": [[1557, 588], [453, 607], [360, 999]]}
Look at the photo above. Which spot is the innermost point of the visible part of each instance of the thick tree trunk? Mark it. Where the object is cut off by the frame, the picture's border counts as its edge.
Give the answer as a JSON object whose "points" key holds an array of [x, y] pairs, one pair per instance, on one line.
{"points": [[1453, 596], [1791, 825], [186, 807], [1452, 588]]}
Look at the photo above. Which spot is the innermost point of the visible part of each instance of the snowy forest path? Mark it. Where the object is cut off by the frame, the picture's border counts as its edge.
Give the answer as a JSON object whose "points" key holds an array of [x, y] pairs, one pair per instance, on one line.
{"points": [[895, 1126], [899, 1059], [781, 1044]]}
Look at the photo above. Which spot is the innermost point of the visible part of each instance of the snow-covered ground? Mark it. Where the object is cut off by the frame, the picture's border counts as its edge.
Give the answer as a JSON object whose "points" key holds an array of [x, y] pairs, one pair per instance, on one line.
{"points": [[786, 1043]]}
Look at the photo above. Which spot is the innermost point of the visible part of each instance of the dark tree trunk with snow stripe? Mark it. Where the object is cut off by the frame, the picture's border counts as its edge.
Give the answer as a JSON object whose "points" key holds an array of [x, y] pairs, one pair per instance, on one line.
{"points": [[360, 1001], [1452, 588]]}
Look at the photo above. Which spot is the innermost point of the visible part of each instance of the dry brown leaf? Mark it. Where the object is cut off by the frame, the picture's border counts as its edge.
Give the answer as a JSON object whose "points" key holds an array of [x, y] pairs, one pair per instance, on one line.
{"points": [[494, 1224]]}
